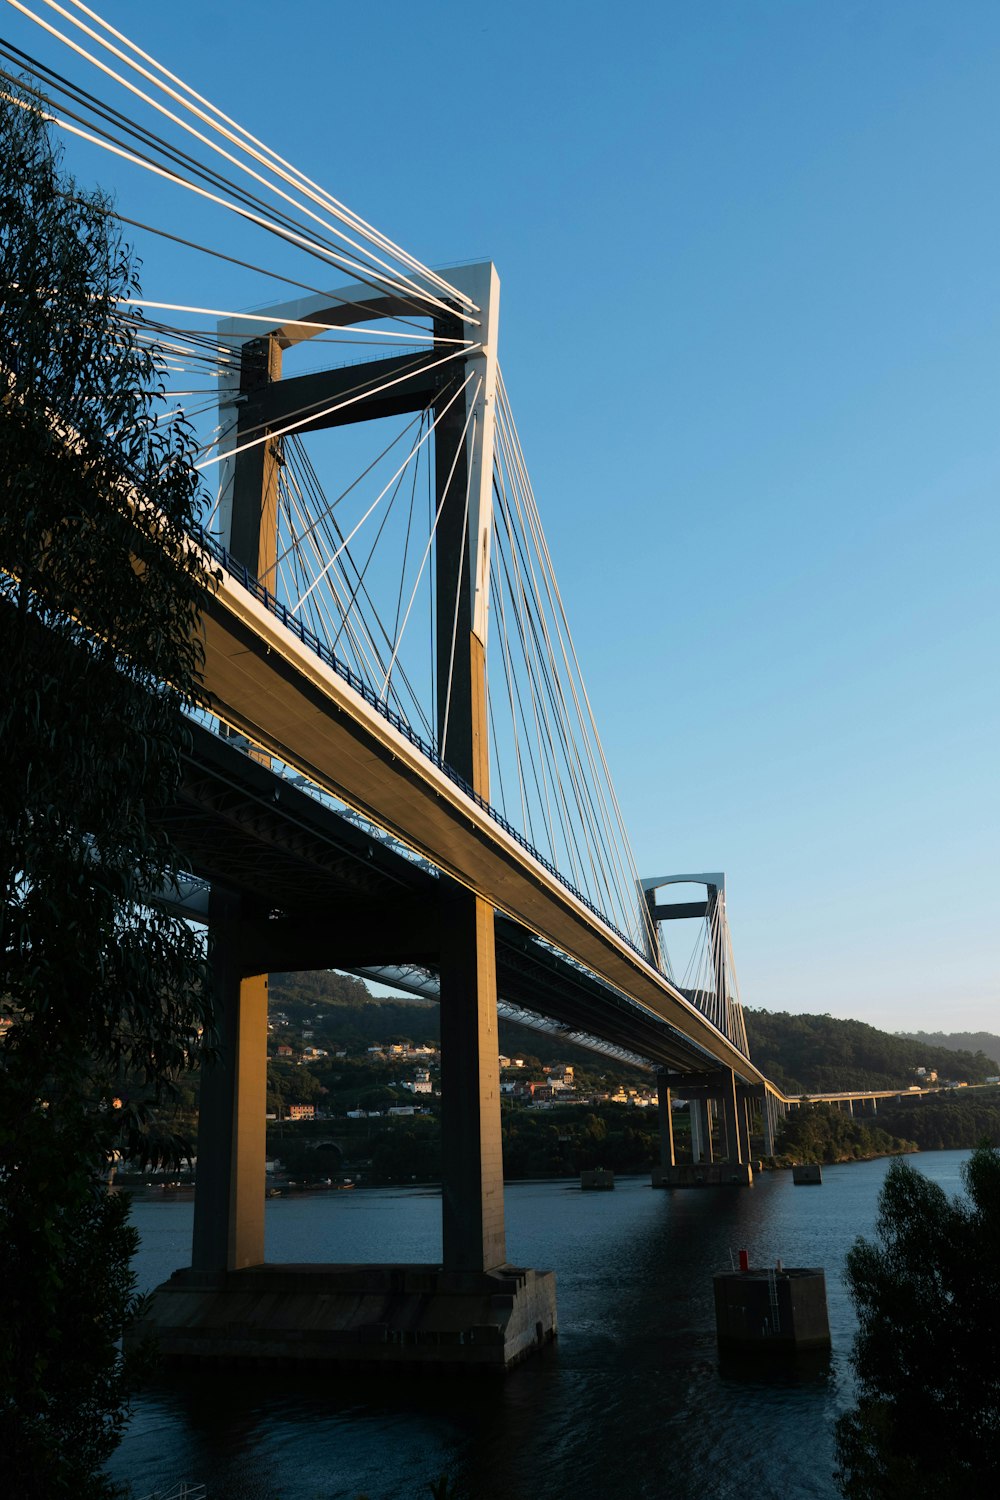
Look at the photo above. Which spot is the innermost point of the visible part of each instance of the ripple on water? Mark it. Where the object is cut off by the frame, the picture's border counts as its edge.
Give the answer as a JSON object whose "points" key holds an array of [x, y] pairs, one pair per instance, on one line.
{"points": [[631, 1399]]}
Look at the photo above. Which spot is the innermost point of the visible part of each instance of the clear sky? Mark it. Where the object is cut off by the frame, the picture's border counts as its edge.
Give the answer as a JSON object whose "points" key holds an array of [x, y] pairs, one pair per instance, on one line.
{"points": [[751, 331]]}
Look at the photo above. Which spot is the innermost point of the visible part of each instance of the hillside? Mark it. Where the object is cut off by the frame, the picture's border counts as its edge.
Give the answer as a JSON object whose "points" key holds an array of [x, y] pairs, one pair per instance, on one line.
{"points": [[965, 1041], [801, 1053], [804, 1054], [822, 1133], [955, 1120], [342, 1010], [818, 1054]]}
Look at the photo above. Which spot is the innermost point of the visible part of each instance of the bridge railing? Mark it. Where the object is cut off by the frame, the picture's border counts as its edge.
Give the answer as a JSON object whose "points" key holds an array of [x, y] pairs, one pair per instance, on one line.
{"points": [[309, 638]]}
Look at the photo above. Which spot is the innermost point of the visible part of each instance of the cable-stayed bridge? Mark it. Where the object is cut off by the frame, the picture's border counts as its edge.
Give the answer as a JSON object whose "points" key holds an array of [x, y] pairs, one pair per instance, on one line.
{"points": [[282, 684], [396, 768]]}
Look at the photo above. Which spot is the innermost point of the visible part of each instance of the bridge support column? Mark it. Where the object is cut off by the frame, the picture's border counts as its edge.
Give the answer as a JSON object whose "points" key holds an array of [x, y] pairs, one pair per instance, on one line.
{"points": [[768, 1114], [743, 1108], [731, 1164], [471, 1152], [667, 1155], [229, 1199], [730, 1118], [472, 1168], [701, 1131]]}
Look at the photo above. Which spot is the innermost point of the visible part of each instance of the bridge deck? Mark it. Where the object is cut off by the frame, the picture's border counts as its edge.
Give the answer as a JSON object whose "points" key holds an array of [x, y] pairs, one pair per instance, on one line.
{"points": [[267, 682], [330, 895]]}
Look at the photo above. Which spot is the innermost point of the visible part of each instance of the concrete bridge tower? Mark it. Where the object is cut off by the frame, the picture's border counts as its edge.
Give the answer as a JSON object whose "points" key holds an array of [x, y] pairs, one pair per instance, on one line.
{"points": [[229, 1210], [714, 1092]]}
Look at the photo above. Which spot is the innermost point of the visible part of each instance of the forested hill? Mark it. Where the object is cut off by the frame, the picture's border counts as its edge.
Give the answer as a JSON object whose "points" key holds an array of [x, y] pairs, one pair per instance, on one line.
{"points": [[342, 1009], [817, 1054], [964, 1041], [802, 1054]]}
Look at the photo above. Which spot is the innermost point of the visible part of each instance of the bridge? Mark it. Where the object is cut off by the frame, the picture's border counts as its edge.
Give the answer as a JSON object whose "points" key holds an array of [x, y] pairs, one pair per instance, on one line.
{"points": [[411, 869], [395, 768]]}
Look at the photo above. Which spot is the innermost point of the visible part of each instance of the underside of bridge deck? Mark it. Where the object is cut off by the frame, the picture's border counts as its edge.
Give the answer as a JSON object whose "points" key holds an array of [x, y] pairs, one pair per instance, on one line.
{"points": [[320, 891]]}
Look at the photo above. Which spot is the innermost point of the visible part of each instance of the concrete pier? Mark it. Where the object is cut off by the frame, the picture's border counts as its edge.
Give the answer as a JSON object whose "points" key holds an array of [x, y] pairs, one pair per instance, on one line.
{"points": [[701, 1130], [778, 1311], [807, 1174], [705, 1093], [597, 1180], [229, 1207], [386, 1318], [704, 1174]]}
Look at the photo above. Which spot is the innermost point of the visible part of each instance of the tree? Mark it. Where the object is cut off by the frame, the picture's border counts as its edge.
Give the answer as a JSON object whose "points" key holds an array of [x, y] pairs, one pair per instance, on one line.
{"points": [[99, 595], [927, 1294], [289, 1082], [823, 1133]]}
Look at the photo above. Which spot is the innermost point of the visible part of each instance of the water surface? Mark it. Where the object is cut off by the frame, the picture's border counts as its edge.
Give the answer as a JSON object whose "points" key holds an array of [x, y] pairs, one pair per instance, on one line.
{"points": [[631, 1399]]}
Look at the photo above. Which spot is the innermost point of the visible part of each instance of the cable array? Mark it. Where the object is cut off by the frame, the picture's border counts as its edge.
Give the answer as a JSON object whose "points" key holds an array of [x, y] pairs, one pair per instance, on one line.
{"points": [[123, 102], [254, 182], [355, 559], [552, 770], [709, 979]]}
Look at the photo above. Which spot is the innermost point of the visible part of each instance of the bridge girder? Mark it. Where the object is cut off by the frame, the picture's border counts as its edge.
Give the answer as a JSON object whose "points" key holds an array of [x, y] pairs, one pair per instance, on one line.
{"points": [[324, 893]]}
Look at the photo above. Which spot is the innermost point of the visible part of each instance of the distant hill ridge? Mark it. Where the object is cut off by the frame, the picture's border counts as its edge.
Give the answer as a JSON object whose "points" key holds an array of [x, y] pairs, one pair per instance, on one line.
{"points": [[818, 1054], [965, 1041]]}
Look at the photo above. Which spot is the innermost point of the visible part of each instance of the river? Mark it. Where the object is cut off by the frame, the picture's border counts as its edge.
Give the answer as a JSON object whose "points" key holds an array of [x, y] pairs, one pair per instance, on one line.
{"points": [[630, 1400]]}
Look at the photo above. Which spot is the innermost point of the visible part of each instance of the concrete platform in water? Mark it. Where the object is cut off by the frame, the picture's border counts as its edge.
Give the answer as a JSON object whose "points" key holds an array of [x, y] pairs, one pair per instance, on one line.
{"points": [[807, 1174], [762, 1311], [597, 1180], [360, 1317], [704, 1174]]}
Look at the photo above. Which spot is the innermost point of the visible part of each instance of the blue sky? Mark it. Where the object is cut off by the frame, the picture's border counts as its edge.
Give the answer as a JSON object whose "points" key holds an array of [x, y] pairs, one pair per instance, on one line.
{"points": [[750, 318]]}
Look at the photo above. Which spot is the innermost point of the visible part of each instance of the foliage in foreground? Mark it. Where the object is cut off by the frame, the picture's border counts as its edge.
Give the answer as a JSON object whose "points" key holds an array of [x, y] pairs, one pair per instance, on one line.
{"points": [[98, 602], [927, 1294]]}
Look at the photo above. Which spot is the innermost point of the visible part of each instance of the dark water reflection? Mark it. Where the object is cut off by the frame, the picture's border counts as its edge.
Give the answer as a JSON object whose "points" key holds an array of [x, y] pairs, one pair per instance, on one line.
{"points": [[631, 1399]]}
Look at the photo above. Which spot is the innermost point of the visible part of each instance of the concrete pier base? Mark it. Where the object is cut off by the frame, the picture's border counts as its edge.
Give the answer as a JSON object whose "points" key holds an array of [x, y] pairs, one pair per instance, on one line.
{"points": [[389, 1317], [807, 1174], [761, 1311], [597, 1180], [704, 1174]]}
